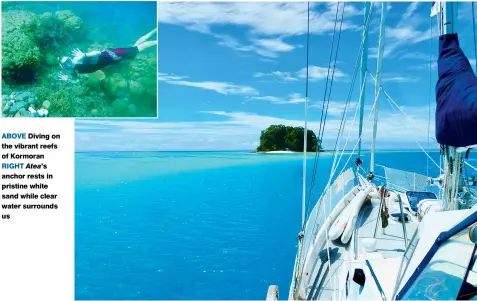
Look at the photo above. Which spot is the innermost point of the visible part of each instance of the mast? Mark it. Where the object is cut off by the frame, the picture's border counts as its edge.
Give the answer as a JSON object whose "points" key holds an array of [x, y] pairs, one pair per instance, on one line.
{"points": [[364, 66], [452, 159], [449, 13], [379, 66]]}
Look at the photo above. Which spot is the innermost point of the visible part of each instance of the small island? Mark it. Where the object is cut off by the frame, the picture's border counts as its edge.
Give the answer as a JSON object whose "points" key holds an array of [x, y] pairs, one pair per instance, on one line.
{"points": [[287, 139]]}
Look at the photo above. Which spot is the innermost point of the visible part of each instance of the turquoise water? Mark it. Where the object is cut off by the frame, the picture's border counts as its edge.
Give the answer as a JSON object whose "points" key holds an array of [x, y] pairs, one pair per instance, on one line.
{"points": [[194, 225], [37, 35]]}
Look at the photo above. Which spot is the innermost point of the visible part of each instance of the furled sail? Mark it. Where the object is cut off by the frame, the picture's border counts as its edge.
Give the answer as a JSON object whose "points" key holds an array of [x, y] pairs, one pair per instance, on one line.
{"points": [[456, 95]]}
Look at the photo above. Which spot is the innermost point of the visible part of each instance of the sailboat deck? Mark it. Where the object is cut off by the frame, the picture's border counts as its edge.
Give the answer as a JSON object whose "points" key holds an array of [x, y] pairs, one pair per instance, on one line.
{"points": [[390, 241], [322, 288], [390, 244]]}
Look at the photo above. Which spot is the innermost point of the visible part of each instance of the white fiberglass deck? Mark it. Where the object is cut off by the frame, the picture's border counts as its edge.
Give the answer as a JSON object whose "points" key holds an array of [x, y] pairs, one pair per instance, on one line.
{"points": [[330, 279], [390, 241]]}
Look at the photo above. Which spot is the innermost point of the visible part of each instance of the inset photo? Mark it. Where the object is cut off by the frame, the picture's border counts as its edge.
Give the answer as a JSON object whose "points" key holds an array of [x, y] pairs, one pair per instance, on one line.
{"points": [[79, 59]]}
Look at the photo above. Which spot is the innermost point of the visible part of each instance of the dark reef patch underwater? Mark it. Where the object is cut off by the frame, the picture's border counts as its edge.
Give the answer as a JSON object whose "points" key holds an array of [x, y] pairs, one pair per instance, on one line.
{"points": [[36, 34]]}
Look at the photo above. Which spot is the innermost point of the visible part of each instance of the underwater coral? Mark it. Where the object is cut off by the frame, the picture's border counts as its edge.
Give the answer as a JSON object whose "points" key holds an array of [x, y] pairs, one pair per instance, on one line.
{"points": [[33, 41]]}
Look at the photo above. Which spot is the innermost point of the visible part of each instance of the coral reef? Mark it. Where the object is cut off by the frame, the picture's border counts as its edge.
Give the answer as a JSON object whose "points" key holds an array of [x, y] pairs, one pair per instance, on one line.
{"points": [[20, 52], [32, 43], [69, 21]]}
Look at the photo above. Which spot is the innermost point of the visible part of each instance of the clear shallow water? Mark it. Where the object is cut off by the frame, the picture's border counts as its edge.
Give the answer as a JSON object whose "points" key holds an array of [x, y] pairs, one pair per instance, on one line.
{"points": [[194, 225], [53, 29]]}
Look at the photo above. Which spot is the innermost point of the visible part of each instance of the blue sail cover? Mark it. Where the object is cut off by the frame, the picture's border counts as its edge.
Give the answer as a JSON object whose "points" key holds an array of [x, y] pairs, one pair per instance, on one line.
{"points": [[456, 95]]}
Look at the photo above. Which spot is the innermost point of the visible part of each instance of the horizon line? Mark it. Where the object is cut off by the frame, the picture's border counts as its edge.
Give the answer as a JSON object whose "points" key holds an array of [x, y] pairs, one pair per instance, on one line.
{"points": [[236, 150]]}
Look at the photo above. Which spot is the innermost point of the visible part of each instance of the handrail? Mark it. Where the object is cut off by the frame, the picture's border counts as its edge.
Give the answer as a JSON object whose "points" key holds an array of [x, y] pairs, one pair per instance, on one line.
{"points": [[378, 285], [403, 223], [380, 208]]}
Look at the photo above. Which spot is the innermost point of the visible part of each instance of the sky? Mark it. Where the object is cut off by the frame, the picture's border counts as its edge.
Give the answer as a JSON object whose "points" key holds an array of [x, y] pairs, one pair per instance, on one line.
{"points": [[227, 71]]}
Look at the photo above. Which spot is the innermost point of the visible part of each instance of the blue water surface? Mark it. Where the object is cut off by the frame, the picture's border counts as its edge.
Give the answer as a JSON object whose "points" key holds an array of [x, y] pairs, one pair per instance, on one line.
{"points": [[194, 225], [120, 23]]}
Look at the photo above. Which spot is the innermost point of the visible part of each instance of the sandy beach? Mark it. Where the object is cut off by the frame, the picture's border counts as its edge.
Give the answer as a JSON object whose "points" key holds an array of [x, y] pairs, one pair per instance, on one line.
{"points": [[292, 152]]}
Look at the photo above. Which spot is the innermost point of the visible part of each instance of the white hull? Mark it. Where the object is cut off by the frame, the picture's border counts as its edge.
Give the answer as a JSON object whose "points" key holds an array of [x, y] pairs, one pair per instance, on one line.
{"points": [[330, 264], [320, 240]]}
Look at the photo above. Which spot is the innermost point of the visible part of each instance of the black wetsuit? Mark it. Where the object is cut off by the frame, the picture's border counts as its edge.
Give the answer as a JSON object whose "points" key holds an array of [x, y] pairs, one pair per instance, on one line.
{"points": [[108, 56]]}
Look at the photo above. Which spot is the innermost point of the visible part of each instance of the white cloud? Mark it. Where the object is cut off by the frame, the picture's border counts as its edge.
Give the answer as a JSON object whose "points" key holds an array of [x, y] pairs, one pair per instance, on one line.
{"points": [[275, 45], [269, 48], [238, 129], [169, 77], [264, 21], [399, 79], [219, 87], [406, 32], [262, 18], [294, 98], [316, 73], [335, 108], [281, 76], [410, 10]]}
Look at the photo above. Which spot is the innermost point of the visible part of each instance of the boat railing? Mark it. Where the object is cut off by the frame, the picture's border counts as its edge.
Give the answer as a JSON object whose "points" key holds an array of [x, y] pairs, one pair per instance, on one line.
{"points": [[381, 203], [333, 194], [402, 181], [403, 222], [406, 260]]}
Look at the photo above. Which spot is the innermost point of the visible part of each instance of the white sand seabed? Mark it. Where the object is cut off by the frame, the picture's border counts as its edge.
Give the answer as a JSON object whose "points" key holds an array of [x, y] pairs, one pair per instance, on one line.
{"points": [[291, 152], [281, 152]]}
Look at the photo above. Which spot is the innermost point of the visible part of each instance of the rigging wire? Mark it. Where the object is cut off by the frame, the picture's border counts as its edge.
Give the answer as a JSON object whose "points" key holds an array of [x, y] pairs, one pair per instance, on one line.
{"points": [[355, 73], [324, 122], [353, 82], [340, 132], [321, 128], [359, 138], [300, 249], [348, 100], [470, 165], [317, 151], [336, 161], [335, 166], [305, 130], [350, 92], [394, 105], [347, 161], [334, 68]]}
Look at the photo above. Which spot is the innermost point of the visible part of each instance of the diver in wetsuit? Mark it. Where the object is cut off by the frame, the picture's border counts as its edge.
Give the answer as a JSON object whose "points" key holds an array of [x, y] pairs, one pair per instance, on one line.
{"points": [[96, 60]]}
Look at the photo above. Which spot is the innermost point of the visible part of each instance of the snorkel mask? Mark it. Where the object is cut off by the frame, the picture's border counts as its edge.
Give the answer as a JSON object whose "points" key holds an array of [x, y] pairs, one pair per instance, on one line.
{"points": [[66, 63]]}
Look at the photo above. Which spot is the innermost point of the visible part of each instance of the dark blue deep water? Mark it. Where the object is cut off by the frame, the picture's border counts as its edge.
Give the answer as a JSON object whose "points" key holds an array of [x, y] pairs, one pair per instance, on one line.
{"points": [[193, 225]]}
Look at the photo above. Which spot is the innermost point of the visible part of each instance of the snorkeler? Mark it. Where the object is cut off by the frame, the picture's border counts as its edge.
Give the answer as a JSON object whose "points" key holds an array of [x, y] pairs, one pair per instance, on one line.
{"points": [[96, 60]]}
